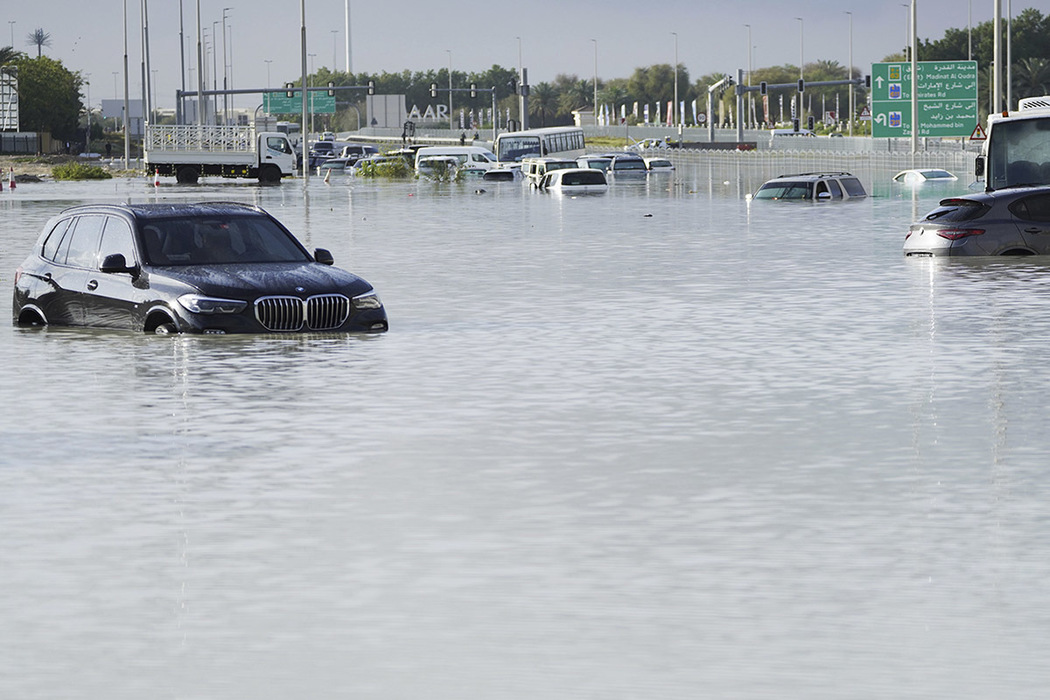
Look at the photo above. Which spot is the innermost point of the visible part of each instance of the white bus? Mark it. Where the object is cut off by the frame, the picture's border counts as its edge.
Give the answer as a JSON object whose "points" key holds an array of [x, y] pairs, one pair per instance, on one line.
{"points": [[556, 141]]}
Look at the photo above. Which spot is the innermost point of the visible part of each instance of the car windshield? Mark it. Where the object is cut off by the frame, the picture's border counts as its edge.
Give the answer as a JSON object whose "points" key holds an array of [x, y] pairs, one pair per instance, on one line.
{"points": [[784, 190], [211, 240]]}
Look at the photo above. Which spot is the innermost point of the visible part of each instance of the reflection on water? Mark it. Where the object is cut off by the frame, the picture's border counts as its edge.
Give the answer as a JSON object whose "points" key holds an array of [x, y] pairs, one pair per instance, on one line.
{"points": [[661, 442]]}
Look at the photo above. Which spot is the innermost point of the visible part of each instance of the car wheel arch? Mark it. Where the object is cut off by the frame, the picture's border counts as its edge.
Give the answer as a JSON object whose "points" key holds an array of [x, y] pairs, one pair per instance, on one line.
{"points": [[1017, 252], [157, 317], [31, 315]]}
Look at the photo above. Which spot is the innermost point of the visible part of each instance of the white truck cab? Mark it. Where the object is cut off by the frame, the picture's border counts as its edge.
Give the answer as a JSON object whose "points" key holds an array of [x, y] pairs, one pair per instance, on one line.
{"points": [[1016, 150]]}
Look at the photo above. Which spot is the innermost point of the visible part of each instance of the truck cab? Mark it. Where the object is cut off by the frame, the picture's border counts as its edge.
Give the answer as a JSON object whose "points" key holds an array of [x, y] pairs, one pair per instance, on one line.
{"points": [[1017, 148]]}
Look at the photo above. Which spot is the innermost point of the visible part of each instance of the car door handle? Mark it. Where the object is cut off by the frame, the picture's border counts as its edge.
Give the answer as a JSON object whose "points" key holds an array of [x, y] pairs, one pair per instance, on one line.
{"points": [[1035, 230], [92, 285]]}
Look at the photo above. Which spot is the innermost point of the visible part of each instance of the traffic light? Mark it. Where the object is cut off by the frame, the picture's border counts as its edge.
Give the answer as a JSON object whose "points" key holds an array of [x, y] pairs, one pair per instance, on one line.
{"points": [[801, 85], [473, 90], [290, 92], [762, 87], [371, 87], [331, 92], [811, 122], [867, 81], [433, 89]]}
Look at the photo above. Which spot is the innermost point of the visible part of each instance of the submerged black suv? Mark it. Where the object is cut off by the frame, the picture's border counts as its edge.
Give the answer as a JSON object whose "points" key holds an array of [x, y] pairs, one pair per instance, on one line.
{"points": [[214, 267]]}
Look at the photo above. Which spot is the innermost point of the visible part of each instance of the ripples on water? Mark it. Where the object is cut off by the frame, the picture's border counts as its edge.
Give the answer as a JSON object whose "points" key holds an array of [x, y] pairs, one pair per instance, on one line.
{"points": [[655, 443]]}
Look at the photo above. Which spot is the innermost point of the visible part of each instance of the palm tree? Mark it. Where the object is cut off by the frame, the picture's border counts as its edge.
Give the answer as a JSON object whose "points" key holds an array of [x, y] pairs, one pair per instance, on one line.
{"points": [[40, 39], [1031, 76], [7, 55], [543, 100]]}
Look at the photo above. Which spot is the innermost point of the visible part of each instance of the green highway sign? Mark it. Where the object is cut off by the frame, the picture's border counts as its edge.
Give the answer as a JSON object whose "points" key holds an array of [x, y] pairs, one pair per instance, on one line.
{"points": [[279, 102], [947, 99]]}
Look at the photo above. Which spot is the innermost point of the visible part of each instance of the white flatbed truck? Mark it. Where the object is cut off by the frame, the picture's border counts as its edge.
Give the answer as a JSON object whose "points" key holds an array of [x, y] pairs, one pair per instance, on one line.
{"points": [[191, 151], [1017, 148]]}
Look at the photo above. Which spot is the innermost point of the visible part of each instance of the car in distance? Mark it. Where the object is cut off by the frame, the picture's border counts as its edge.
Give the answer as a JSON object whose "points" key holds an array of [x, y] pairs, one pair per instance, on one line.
{"points": [[921, 175], [213, 267], [658, 165], [812, 187], [1011, 221], [597, 162], [575, 181]]}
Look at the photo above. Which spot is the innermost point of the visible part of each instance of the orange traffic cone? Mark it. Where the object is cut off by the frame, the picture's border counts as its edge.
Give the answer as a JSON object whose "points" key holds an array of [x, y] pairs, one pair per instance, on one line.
{"points": [[156, 177], [11, 182]]}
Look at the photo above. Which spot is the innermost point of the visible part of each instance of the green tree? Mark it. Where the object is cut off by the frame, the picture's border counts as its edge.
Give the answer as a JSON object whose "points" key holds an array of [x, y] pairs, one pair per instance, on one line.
{"points": [[8, 55], [1031, 77], [543, 101], [49, 96]]}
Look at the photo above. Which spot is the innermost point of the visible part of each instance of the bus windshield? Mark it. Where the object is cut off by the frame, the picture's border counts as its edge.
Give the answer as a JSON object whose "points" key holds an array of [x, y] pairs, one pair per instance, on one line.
{"points": [[514, 148]]}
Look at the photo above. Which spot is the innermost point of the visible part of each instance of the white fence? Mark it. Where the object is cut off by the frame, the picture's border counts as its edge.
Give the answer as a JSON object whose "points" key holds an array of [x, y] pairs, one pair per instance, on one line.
{"points": [[194, 137]]}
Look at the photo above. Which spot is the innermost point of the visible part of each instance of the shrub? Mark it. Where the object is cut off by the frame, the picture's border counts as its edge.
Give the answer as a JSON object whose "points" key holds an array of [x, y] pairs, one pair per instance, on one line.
{"points": [[79, 171]]}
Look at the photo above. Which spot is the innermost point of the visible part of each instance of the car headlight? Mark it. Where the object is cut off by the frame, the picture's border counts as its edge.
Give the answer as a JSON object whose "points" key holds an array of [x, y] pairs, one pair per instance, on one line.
{"points": [[210, 305], [369, 300]]}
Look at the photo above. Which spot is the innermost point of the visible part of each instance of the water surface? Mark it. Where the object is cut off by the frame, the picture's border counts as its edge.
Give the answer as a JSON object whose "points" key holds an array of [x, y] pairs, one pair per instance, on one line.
{"points": [[657, 443]]}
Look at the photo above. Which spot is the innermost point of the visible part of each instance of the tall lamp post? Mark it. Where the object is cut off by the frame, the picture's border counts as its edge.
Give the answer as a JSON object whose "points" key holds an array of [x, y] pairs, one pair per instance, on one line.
{"points": [[801, 62], [267, 61], [521, 80], [225, 74], [674, 109], [595, 81], [750, 108], [450, 124], [306, 134], [850, 72]]}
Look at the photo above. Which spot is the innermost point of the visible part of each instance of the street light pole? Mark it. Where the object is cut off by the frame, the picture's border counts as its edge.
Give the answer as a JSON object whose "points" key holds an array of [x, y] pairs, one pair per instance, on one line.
{"points": [[335, 49], [267, 61], [674, 109], [799, 110], [306, 136], [914, 81], [595, 81], [521, 80], [850, 72], [349, 63], [750, 109], [450, 125], [225, 74], [127, 101]]}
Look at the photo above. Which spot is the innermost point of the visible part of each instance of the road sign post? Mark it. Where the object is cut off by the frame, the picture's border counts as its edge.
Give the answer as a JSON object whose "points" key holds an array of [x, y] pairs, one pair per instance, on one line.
{"points": [[947, 99]]}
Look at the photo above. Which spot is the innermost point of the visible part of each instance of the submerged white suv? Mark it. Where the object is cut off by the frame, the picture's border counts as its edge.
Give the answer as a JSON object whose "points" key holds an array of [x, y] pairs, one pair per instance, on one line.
{"points": [[812, 187]]}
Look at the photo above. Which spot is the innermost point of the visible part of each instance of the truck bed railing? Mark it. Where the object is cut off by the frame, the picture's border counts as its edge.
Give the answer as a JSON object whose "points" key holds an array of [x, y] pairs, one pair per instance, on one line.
{"points": [[195, 137]]}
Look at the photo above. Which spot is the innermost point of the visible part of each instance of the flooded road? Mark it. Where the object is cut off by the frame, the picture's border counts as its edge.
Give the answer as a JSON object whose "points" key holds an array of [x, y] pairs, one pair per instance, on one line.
{"points": [[656, 443]]}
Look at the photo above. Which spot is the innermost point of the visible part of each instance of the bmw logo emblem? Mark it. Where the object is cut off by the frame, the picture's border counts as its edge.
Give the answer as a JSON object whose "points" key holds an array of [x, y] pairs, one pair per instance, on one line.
{"points": [[300, 289]]}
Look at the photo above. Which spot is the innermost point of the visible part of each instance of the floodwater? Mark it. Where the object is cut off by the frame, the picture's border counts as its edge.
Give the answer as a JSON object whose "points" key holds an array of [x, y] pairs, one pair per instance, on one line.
{"points": [[656, 443]]}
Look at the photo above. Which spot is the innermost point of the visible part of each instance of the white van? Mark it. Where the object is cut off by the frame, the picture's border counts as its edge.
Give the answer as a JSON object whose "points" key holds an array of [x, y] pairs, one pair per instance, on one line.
{"points": [[535, 168], [469, 157]]}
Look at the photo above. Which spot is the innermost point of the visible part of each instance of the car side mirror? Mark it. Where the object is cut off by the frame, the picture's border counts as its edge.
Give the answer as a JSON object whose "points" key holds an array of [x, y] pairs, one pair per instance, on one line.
{"points": [[323, 256], [978, 168], [823, 196], [114, 263]]}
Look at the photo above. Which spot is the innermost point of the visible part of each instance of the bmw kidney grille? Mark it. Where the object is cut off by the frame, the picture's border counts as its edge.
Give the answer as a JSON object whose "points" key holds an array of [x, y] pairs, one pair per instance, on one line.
{"points": [[323, 312]]}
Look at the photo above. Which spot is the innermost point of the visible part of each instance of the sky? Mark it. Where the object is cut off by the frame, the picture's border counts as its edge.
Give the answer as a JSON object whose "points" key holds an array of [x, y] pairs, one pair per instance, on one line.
{"points": [[555, 37]]}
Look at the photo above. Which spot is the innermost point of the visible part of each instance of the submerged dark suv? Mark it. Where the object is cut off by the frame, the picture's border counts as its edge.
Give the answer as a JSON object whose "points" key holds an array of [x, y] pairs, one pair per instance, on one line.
{"points": [[214, 267]]}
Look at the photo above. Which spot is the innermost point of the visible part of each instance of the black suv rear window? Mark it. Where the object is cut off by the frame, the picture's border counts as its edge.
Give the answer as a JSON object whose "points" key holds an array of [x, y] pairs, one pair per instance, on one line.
{"points": [[957, 210]]}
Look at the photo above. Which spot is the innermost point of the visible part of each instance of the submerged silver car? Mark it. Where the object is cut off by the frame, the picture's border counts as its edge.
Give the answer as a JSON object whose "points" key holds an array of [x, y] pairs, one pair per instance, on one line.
{"points": [[1011, 221], [816, 187]]}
